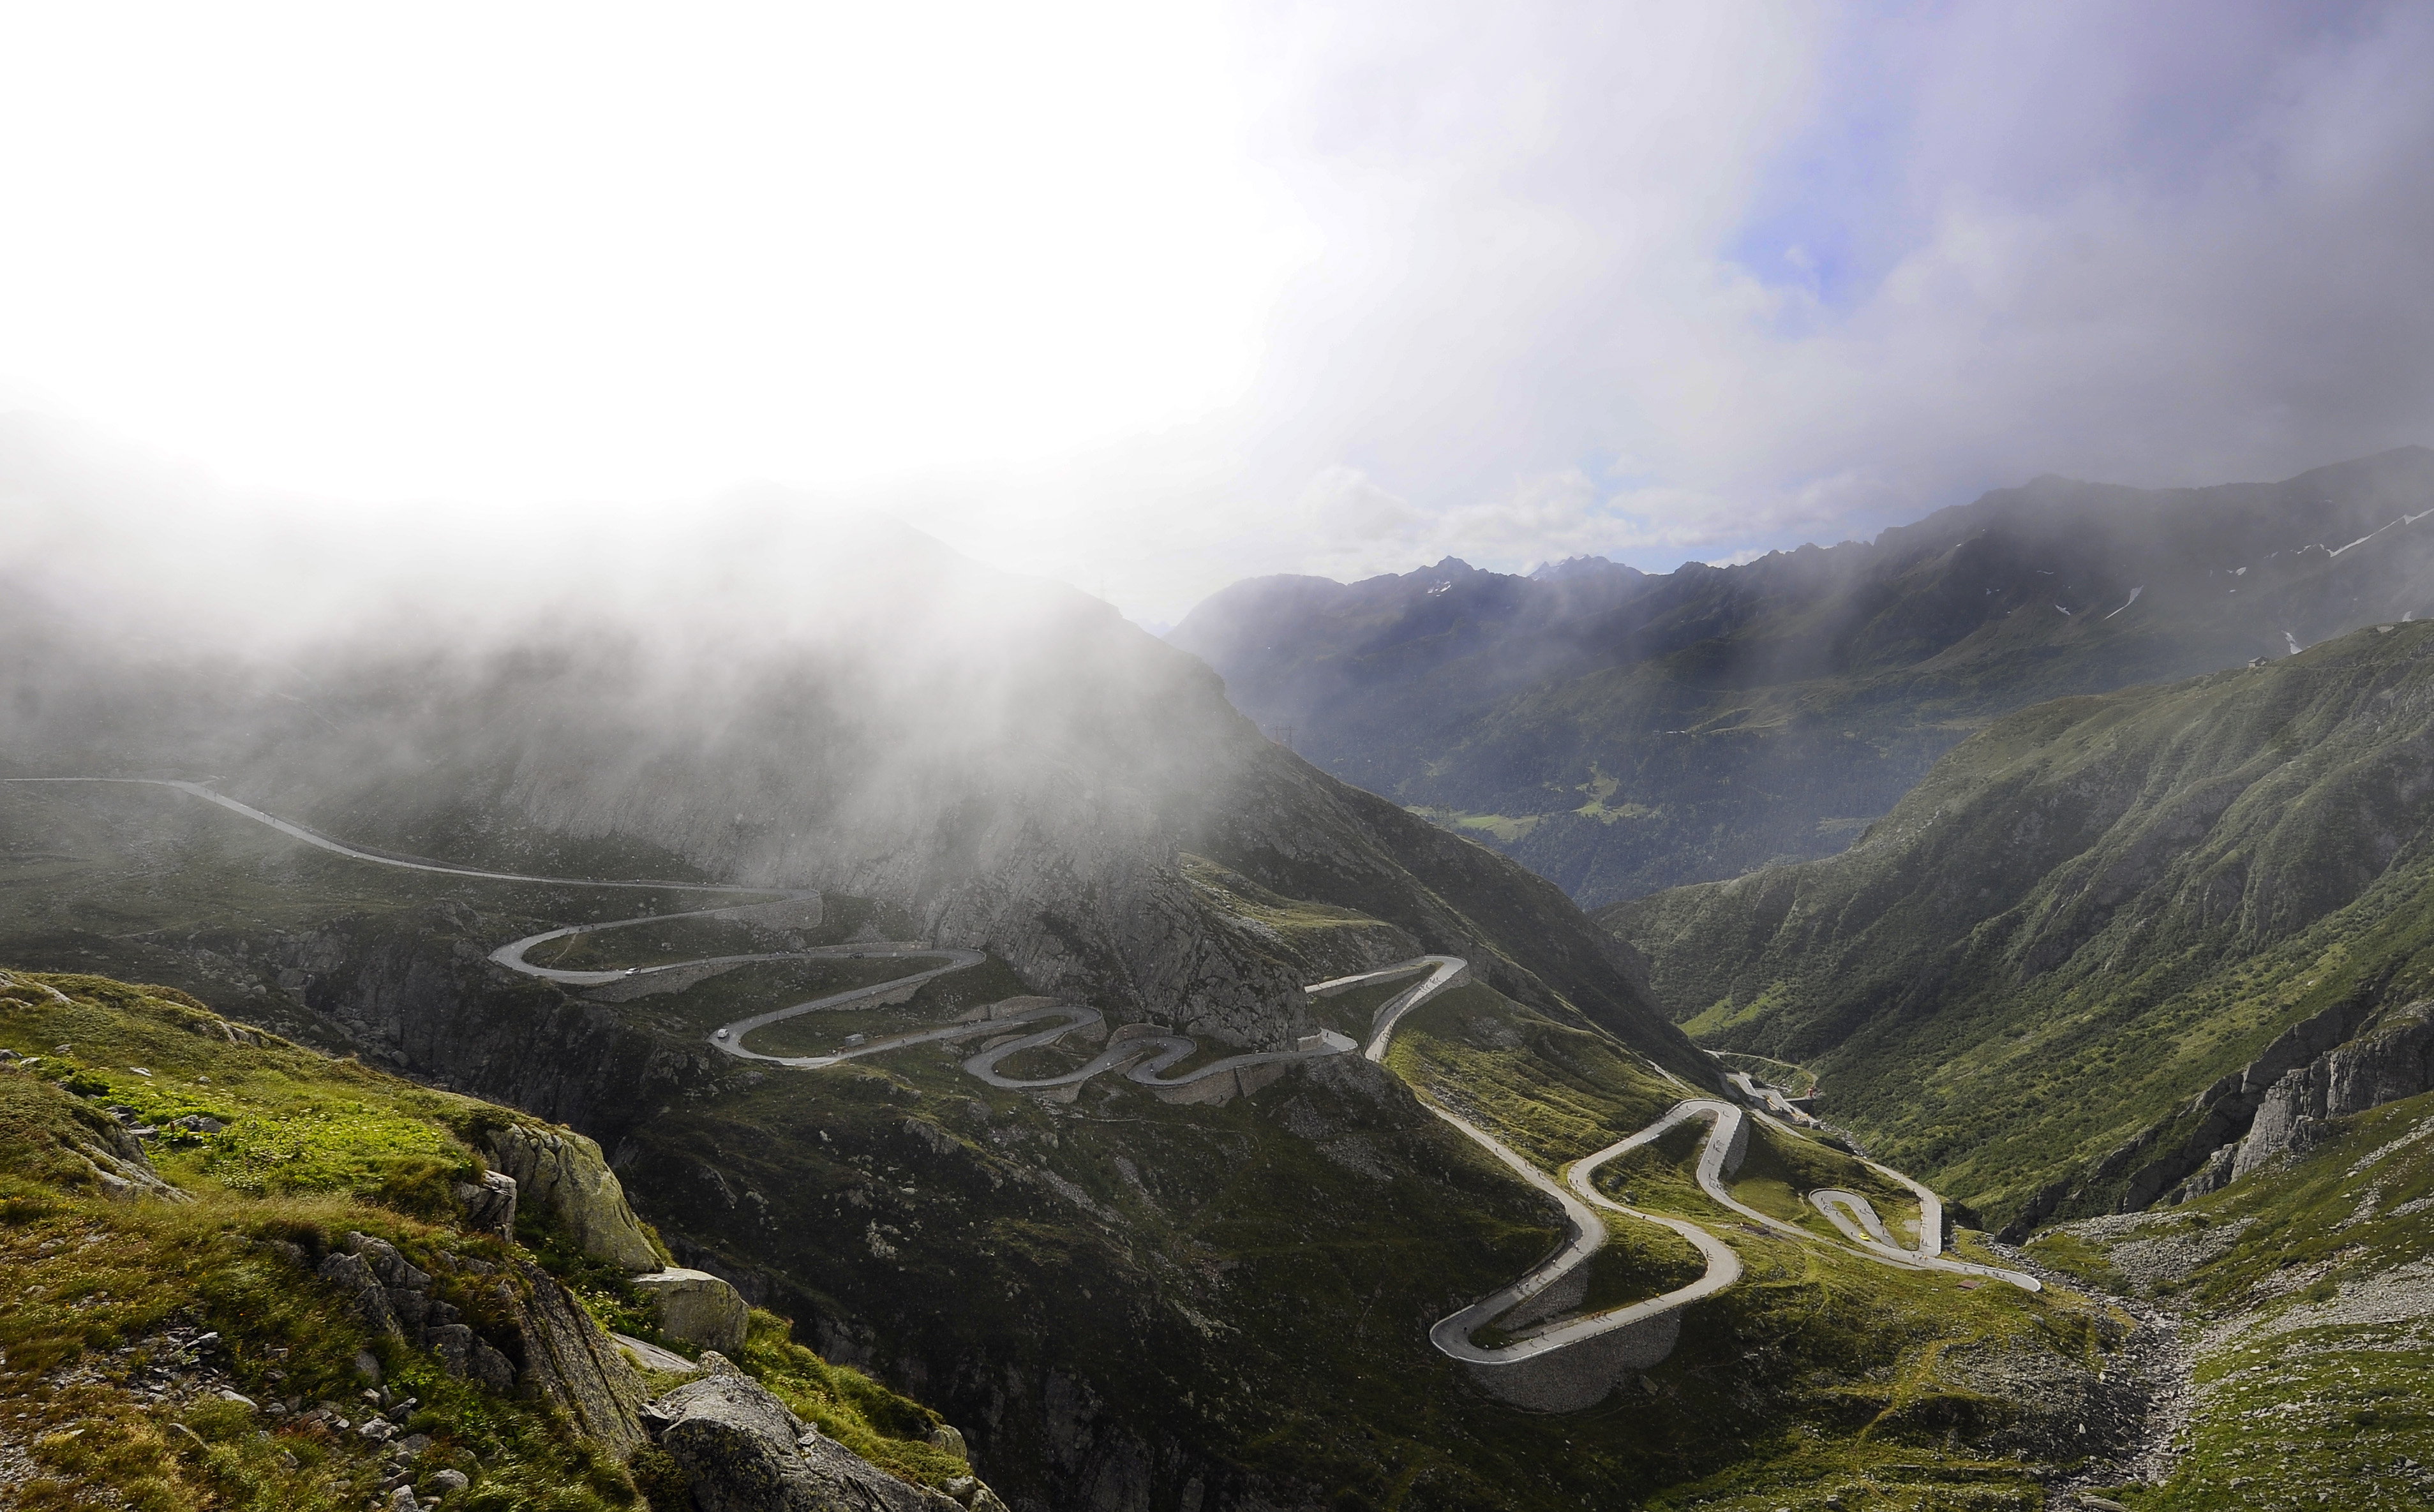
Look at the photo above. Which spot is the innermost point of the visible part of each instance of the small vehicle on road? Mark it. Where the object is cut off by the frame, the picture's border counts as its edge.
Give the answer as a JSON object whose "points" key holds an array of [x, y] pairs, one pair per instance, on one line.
{"points": [[720, 1035]]}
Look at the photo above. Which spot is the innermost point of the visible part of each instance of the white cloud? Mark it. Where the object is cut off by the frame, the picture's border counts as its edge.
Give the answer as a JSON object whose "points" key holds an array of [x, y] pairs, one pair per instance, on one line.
{"points": [[1155, 298], [1347, 511]]}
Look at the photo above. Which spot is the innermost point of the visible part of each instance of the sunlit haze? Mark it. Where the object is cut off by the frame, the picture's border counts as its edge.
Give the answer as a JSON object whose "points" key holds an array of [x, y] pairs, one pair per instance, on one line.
{"points": [[1149, 299]]}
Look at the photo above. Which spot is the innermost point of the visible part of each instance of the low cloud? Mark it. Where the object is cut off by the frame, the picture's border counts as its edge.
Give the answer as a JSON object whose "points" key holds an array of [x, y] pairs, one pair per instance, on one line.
{"points": [[1149, 305], [1660, 288]]}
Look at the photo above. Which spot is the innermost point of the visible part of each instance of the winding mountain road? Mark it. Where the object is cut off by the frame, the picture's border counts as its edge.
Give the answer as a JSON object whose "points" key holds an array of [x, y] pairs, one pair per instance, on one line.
{"points": [[1639, 1332], [413, 863]]}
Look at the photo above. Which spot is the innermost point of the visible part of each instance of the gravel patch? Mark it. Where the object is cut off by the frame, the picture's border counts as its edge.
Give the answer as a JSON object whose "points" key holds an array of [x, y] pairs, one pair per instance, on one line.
{"points": [[2147, 1386], [2404, 1294]]}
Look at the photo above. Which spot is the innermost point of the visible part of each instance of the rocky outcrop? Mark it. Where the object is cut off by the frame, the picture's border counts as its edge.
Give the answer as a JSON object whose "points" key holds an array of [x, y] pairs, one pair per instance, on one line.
{"points": [[116, 1163], [2395, 1061], [571, 1363], [696, 1307], [81, 1145], [549, 1347], [742, 1449], [2177, 1154], [489, 1205], [392, 1296], [564, 1175]]}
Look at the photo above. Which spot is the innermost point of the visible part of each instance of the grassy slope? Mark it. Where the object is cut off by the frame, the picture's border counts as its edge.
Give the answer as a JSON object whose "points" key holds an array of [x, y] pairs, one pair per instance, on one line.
{"points": [[2084, 915], [314, 1148], [2303, 1291]]}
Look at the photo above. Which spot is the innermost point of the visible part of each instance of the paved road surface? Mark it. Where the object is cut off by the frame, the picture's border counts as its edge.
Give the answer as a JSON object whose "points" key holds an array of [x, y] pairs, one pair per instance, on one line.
{"points": [[407, 862]]}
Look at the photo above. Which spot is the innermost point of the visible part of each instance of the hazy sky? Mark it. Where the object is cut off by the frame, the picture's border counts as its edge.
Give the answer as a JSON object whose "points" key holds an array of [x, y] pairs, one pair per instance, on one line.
{"points": [[1150, 297]]}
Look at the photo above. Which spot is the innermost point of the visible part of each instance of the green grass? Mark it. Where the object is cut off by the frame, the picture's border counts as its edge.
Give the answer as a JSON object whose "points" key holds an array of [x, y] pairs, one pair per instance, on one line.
{"points": [[1506, 828], [1311, 936], [1779, 1170], [2083, 917], [888, 1430], [2292, 1397], [314, 1148], [1639, 1261], [1352, 1012], [297, 1121]]}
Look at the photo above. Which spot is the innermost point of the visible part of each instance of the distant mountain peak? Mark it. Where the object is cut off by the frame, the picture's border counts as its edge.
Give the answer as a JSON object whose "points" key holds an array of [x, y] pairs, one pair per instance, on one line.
{"points": [[1575, 567]]}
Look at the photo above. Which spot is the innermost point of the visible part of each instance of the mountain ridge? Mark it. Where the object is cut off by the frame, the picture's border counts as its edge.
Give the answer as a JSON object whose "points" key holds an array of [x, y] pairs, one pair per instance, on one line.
{"points": [[1661, 729]]}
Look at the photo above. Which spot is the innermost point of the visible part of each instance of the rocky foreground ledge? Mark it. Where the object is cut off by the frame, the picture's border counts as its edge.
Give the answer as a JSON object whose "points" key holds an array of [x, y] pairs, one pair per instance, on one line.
{"points": [[742, 1449]]}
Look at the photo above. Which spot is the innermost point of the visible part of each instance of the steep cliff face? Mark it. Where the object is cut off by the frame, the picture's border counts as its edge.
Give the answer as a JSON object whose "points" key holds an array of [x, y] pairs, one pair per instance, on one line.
{"points": [[2393, 1062]]}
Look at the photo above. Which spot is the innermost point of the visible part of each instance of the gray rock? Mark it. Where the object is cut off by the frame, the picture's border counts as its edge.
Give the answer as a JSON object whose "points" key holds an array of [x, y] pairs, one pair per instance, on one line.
{"points": [[114, 1161], [2212, 1176], [2396, 1061], [564, 1175], [489, 1205], [696, 1307], [355, 1273], [448, 1483], [392, 1268], [412, 1308], [651, 1357], [454, 1344], [571, 1363], [743, 1450], [492, 1369]]}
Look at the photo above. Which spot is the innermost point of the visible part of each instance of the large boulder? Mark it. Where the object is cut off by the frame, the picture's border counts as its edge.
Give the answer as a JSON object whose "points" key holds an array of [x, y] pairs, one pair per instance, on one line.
{"points": [[742, 1449], [564, 1175], [698, 1307]]}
